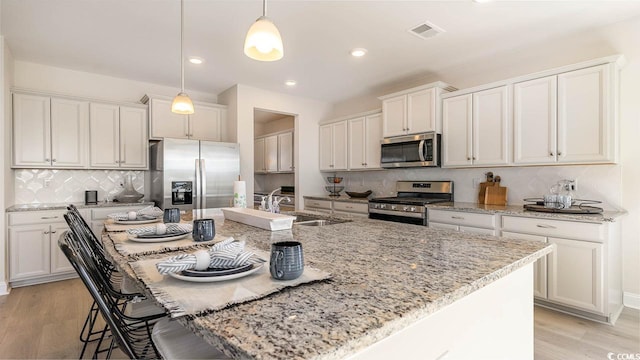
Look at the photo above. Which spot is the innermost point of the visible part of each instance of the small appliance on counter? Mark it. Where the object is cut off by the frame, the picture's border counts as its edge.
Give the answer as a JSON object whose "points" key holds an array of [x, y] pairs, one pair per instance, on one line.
{"points": [[90, 197]]}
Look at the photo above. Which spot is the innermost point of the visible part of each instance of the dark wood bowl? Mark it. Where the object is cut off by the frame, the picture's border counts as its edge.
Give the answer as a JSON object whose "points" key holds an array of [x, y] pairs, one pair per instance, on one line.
{"points": [[359, 195]]}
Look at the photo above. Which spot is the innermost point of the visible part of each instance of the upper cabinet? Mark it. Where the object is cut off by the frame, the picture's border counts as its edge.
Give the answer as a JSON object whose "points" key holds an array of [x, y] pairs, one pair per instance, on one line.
{"points": [[365, 134], [560, 116], [49, 132], [204, 124], [118, 136], [274, 153], [476, 128], [413, 111], [333, 146]]}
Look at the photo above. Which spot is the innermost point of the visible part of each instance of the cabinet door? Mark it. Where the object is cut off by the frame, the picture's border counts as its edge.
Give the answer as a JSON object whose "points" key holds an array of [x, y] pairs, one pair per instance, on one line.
{"points": [[357, 143], [258, 156], [340, 150], [535, 121], [456, 130], [164, 123], [28, 251], [285, 152], [271, 153], [326, 147], [421, 111], [59, 262], [69, 133], [134, 146], [31, 131], [372, 141], [576, 273], [394, 116], [204, 123], [584, 123], [104, 127], [437, 225], [540, 266], [491, 127]]}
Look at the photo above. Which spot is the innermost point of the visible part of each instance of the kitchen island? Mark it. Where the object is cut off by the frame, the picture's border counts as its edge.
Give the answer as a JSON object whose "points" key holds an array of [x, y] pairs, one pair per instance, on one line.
{"points": [[396, 290]]}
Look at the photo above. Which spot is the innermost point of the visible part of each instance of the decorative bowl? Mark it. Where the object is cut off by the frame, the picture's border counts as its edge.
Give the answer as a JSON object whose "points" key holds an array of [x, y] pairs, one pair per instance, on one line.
{"points": [[359, 195], [334, 179]]}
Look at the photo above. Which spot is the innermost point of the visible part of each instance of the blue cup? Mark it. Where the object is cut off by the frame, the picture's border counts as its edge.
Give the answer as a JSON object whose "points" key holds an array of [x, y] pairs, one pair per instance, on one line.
{"points": [[203, 229]]}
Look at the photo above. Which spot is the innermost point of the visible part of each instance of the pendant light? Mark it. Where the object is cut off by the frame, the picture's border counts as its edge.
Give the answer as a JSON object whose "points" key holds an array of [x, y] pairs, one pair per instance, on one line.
{"points": [[263, 41], [182, 104]]}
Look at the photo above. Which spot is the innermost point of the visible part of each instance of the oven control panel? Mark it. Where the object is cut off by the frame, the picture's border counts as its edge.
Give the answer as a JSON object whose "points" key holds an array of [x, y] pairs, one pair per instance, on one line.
{"points": [[396, 207]]}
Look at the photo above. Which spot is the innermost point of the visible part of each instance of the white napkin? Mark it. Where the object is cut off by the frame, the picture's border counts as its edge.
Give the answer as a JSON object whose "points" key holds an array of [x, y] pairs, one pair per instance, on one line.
{"points": [[171, 229], [149, 210], [227, 254]]}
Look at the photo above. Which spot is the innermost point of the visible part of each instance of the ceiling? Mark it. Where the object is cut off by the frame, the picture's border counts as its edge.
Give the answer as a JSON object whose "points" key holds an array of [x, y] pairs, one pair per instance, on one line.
{"points": [[140, 39]]}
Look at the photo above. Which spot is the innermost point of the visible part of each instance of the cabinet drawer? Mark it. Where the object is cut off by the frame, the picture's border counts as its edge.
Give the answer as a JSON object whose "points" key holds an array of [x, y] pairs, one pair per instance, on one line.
{"points": [[475, 230], [436, 225], [463, 218], [555, 228], [101, 214], [321, 204], [351, 207], [36, 217]]}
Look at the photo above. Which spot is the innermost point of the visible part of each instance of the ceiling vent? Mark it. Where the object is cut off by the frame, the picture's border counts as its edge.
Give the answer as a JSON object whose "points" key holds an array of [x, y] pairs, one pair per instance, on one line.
{"points": [[426, 30]]}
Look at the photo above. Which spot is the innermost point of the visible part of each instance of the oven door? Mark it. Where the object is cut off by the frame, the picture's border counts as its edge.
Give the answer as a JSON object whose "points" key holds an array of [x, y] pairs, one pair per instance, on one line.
{"points": [[410, 151]]}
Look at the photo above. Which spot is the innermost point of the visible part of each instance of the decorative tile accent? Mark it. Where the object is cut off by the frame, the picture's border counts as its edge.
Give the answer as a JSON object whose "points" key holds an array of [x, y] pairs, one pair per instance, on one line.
{"points": [[69, 185]]}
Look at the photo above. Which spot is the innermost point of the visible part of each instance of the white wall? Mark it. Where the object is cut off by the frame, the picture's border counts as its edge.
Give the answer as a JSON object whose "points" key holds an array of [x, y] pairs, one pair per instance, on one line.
{"points": [[6, 174], [307, 114], [617, 185]]}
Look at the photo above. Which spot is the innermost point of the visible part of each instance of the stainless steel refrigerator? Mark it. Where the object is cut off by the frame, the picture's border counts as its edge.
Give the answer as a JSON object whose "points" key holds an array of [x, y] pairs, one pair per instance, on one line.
{"points": [[192, 174]]}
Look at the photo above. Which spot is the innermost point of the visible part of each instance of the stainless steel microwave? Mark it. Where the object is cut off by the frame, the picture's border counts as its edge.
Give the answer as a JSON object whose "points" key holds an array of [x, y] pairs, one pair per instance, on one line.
{"points": [[411, 151]]}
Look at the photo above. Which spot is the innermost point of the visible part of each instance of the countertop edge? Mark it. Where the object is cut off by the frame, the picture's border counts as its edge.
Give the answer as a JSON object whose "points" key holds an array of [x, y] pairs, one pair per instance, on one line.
{"points": [[63, 206]]}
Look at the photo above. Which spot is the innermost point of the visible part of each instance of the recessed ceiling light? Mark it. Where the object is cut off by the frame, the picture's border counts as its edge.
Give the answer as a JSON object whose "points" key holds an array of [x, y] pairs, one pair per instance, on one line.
{"points": [[290, 83], [196, 60], [358, 52]]}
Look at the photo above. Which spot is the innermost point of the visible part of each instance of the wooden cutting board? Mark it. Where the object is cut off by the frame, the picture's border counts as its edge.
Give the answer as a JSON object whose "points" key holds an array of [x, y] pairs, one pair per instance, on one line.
{"points": [[495, 195], [482, 190]]}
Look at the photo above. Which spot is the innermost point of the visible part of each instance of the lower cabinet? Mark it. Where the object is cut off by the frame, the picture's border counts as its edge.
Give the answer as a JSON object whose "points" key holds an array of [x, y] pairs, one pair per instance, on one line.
{"points": [[462, 221], [34, 255], [583, 272], [325, 206], [337, 207]]}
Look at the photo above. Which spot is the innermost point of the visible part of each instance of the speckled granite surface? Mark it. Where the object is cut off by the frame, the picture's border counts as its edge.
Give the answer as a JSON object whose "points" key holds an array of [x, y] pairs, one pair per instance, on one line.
{"points": [[342, 198], [385, 276], [518, 210], [62, 206]]}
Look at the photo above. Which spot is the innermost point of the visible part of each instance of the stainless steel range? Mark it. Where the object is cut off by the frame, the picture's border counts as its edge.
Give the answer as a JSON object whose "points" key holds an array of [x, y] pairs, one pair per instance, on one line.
{"points": [[409, 206]]}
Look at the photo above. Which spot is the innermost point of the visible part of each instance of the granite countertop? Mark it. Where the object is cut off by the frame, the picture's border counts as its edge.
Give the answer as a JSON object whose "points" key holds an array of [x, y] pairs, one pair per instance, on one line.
{"points": [[518, 210], [63, 206], [342, 198], [386, 276]]}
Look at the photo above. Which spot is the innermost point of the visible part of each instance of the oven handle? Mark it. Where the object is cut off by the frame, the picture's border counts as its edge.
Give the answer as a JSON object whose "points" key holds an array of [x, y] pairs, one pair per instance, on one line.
{"points": [[421, 150], [419, 215]]}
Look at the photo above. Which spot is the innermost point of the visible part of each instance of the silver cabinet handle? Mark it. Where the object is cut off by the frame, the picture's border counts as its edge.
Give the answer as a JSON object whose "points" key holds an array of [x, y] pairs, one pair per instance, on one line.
{"points": [[48, 217], [457, 217], [546, 226], [53, 232]]}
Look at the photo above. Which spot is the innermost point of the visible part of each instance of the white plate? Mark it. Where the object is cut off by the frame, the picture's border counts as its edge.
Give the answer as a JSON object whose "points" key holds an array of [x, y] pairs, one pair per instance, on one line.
{"points": [[159, 239], [135, 222], [217, 278]]}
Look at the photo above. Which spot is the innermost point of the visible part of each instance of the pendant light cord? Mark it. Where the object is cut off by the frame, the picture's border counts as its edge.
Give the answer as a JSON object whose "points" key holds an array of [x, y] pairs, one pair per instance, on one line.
{"points": [[264, 8], [182, 44]]}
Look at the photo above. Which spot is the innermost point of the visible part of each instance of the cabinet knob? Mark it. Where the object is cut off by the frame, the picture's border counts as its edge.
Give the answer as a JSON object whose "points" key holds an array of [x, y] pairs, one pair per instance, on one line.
{"points": [[54, 160], [53, 232], [559, 153], [46, 232], [474, 158], [46, 159], [365, 164], [468, 158], [550, 154]]}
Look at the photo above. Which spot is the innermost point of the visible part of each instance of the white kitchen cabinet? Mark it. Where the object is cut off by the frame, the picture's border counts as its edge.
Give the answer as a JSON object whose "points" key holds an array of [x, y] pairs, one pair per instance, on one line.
{"points": [[204, 124], [258, 156], [365, 134], [49, 132], [325, 206], [271, 153], [576, 274], [462, 221], [583, 272], [333, 146], [413, 111], [475, 128], [118, 136], [540, 266], [360, 209], [285, 152], [34, 255]]}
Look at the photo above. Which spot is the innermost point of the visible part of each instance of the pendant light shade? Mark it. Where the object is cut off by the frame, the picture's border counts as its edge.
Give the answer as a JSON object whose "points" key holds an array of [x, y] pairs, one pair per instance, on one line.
{"points": [[182, 104], [263, 41]]}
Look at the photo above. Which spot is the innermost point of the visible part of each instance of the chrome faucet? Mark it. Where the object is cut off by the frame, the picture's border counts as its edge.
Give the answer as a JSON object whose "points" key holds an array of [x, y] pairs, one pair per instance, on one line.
{"points": [[269, 204]]}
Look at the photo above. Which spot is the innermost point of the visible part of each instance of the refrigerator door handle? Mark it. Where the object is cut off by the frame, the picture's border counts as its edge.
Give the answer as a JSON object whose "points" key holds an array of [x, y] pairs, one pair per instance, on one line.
{"points": [[203, 184], [196, 184]]}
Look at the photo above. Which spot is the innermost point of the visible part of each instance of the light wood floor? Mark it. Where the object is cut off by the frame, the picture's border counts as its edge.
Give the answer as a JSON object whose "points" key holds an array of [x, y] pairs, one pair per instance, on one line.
{"points": [[43, 322]]}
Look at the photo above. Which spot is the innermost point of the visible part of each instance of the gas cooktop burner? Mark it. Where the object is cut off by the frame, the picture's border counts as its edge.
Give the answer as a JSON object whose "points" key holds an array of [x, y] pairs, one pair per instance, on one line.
{"points": [[408, 200]]}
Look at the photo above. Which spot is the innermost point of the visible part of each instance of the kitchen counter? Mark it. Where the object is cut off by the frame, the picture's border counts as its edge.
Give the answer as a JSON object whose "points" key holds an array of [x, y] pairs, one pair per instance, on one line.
{"points": [[63, 206], [385, 277], [518, 210], [342, 198]]}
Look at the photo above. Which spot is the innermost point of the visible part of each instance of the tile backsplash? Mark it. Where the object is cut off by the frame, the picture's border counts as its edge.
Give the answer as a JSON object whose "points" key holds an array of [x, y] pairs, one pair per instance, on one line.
{"points": [[33, 186], [595, 182]]}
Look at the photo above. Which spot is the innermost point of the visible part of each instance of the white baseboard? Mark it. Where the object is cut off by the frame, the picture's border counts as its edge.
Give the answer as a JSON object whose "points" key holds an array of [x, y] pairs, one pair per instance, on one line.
{"points": [[631, 300], [4, 289]]}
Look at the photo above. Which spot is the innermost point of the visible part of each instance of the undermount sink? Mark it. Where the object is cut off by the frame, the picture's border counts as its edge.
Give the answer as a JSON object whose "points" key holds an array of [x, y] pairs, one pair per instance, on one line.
{"points": [[311, 220]]}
